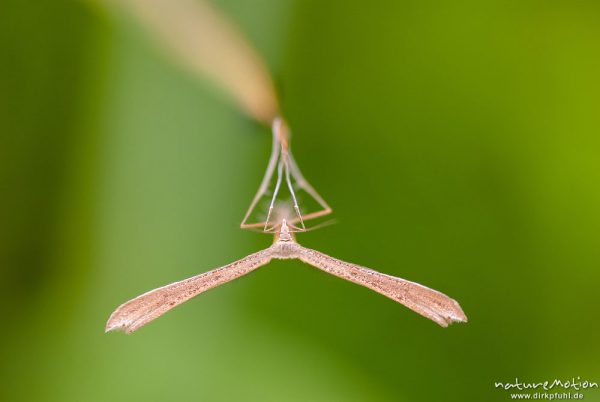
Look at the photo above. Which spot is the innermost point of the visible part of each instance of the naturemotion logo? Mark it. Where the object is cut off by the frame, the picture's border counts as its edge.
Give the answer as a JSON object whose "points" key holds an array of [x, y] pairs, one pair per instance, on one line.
{"points": [[574, 384], [562, 388]]}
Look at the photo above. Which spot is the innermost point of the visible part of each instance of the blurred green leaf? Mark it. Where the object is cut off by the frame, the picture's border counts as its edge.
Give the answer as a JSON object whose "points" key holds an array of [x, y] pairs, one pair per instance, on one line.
{"points": [[457, 143]]}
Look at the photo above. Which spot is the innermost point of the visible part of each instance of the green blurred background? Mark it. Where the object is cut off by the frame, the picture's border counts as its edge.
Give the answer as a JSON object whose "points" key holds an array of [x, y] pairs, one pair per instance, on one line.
{"points": [[458, 143]]}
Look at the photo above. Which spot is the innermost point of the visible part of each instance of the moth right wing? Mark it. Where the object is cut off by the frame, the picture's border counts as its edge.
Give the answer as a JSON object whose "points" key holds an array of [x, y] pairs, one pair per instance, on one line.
{"points": [[428, 302], [137, 312]]}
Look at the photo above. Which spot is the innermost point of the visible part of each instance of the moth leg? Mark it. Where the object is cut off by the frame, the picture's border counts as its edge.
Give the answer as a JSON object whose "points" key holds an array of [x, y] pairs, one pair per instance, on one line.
{"points": [[264, 185], [291, 188], [275, 192]]}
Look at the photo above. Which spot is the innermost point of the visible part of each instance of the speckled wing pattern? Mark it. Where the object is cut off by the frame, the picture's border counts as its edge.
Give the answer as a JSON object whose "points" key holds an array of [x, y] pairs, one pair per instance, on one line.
{"points": [[136, 313], [428, 302]]}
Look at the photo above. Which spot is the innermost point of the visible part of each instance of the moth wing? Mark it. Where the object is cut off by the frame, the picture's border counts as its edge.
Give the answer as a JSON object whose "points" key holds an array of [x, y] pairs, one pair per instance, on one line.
{"points": [[138, 312], [428, 302]]}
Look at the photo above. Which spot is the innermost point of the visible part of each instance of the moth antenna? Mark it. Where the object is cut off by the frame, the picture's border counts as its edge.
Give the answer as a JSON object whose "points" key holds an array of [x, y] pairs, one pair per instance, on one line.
{"points": [[328, 222]]}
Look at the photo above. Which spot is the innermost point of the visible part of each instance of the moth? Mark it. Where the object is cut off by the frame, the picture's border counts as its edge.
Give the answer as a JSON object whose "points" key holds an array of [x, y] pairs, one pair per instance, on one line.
{"points": [[284, 222]]}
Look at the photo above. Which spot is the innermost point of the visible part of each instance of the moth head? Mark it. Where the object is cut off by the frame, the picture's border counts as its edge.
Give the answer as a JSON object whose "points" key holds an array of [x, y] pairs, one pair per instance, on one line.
{"points": [[284, 232]]}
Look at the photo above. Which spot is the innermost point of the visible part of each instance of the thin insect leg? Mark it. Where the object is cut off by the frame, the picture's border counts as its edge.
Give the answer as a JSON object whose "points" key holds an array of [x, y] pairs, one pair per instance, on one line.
{"points": [[275, 192], [264, 185], [289, 184], [303, 183]]}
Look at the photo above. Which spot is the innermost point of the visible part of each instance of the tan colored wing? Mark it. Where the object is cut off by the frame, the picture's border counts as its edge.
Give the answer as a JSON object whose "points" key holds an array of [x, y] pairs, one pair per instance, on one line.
{"points": [[151, 305], [428, 302]]}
